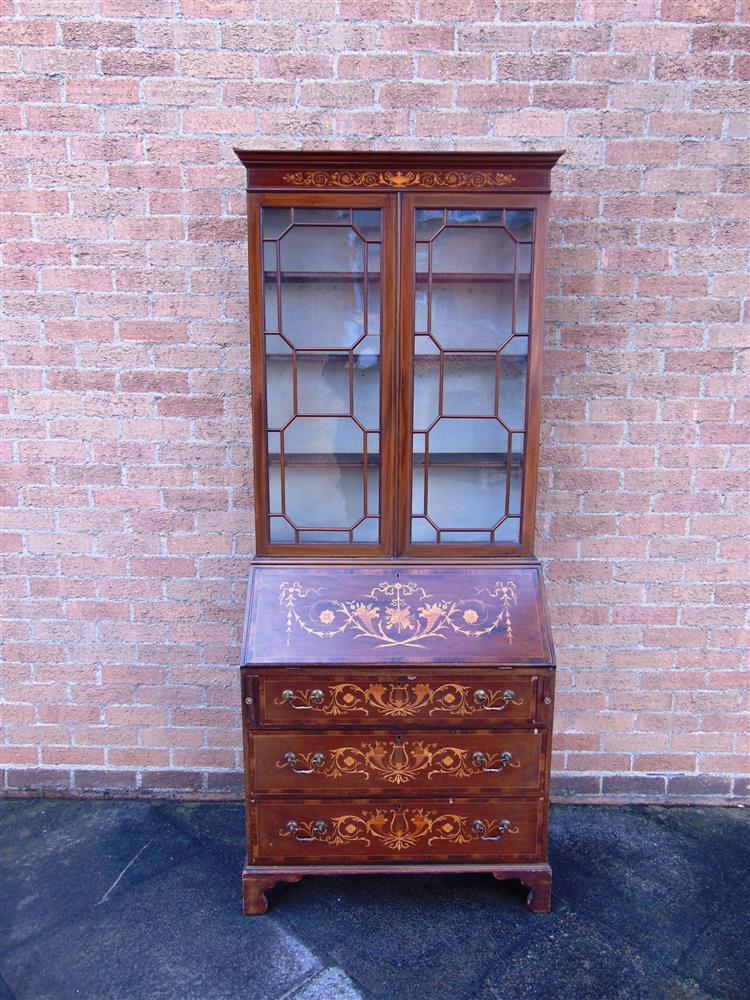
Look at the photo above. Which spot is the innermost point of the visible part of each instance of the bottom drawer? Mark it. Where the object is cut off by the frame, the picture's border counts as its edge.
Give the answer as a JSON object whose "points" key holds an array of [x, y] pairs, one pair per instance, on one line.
{"points": [[351, 830]]}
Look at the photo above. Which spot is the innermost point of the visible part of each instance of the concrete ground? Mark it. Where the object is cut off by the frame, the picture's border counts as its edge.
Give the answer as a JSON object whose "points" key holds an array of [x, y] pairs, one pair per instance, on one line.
{"points": [[113, 900]]}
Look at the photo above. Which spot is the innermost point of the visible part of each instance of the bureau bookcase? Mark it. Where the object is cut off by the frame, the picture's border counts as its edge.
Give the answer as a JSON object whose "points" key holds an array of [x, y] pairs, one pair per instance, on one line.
{"points": [[397, 665]]}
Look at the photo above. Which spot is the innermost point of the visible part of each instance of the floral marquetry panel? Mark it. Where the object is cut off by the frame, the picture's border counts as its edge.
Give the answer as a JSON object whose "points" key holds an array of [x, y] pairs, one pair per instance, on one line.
{"points": [[331, 763], [388, 830], [492, 613]]}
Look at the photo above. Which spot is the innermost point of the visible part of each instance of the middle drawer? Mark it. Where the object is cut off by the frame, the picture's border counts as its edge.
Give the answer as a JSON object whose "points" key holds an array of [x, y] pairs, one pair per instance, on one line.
{"points": [[332, 762]]}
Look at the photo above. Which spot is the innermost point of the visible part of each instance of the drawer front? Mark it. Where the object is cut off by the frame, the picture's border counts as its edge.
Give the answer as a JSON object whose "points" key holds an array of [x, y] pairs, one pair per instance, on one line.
{"points": [[478, 700], [381, 762], [351, 830]]}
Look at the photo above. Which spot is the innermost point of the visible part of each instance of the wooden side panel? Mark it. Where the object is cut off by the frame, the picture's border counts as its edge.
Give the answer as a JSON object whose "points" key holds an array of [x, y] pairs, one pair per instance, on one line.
{"points": [[491, 613], [351, 830]]}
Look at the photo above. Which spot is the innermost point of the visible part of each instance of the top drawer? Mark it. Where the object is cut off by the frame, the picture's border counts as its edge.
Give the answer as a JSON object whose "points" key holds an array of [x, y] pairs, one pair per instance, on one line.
{"points": [[294, 700]]}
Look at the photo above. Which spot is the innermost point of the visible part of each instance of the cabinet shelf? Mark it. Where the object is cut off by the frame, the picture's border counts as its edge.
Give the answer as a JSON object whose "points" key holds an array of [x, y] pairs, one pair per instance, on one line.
{"points": [[298, 276], [450, 460], [470, 277], [421, 276]]}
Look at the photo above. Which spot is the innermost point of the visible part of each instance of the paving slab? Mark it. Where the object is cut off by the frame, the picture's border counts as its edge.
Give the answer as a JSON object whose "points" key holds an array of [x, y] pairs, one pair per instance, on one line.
{"points": [[573, 960], [108, 900]]}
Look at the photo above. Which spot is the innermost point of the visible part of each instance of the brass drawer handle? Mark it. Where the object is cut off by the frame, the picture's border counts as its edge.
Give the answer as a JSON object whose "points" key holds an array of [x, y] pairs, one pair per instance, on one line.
{"points": [[317, 760], [483, 700], [316, 697], [318, 829], [480, 760], [478, 827]]}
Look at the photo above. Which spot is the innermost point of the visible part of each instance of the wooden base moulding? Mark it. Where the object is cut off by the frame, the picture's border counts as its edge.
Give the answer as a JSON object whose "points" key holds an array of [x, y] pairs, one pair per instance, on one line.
{"points": [[256, 881]]}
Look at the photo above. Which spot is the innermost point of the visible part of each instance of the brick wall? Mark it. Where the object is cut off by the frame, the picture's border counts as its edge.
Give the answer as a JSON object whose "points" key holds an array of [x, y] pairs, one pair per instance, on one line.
{"points": [[127, 526]]}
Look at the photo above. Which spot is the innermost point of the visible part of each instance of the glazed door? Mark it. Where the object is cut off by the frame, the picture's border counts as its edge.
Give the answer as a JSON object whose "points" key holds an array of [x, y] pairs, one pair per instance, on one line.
{"points": [[472, 272], [323, 339]]}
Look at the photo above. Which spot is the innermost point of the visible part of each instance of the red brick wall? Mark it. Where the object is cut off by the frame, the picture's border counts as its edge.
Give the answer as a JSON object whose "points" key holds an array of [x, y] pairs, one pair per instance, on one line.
{"points": [[127, 524]]}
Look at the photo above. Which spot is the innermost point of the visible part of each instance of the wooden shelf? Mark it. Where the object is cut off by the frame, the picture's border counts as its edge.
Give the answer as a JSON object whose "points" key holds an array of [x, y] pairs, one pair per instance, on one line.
{"points": [[422, 276], [448, 460], [472, 277], [298, 276]]}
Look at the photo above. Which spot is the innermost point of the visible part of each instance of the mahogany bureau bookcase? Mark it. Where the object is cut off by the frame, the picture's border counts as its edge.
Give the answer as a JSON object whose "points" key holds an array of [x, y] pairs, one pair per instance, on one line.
{"points": [[397, 664]]}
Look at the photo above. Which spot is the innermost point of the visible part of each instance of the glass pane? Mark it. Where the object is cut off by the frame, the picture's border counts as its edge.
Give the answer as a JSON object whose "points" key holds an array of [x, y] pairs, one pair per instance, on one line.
{"points": [[469, 384], [523, 304], [470, 497], [479, 250], [428, 222], [426, 391], [475, 216], [509, 530], [322, 383], [322, 249], [466, 536], [466, 466], [425, 345], [472, 297], [420, 307], [323, 496], [279, 382], [373, 257], [513, 372], [269, 255], [373, 489], [366, 382], [275, 505], [520, 224], [342, 537], [322, 314], [373, 303], [275, 221], [459, 439], [422, 530], [367, 530], [367, 222], [270, 305], [329, 216], [281, 530], [466, 314]]}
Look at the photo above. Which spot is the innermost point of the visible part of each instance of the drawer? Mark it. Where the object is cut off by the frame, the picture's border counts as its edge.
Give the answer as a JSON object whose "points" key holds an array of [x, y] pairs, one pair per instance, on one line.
{"points": [[351, 830], [388, 762], [294, 700]]}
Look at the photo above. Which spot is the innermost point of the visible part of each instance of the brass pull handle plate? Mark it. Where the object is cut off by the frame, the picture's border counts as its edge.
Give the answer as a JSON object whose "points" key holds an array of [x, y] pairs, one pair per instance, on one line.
{"points": [[479, 827], [318, 829], [316, 697], [317, 760], [480, 760], [482, 699]]}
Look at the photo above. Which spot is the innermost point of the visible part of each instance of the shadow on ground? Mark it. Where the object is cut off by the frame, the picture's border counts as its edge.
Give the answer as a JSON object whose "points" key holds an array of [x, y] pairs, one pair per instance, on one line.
{"points": [[107, 900]]}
